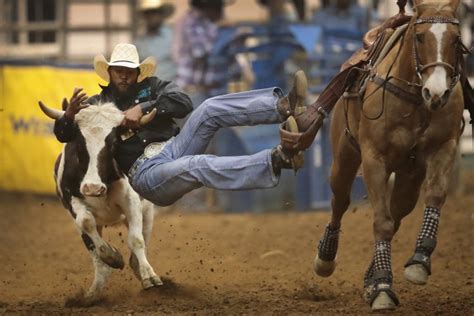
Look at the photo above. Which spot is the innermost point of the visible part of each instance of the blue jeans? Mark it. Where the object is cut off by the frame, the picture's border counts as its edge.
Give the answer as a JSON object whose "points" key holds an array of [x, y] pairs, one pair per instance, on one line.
{"points": [[182, 167]]}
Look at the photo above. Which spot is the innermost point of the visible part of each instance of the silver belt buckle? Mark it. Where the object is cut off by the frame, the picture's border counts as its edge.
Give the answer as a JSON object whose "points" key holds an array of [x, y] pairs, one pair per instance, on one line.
{"points": [[153, 149]]}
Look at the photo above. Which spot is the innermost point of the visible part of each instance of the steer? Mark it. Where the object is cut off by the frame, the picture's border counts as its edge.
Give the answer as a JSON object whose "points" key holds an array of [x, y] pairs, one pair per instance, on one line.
{"points": [[96, 193]]}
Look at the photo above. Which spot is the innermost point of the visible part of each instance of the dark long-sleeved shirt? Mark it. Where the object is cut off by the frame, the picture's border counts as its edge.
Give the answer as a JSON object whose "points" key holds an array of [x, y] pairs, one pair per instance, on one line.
{"points": [[170, 102]]}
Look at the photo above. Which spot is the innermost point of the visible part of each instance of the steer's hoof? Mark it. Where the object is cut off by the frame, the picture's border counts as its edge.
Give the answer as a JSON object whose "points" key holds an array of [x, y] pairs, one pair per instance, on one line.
{"points": [[416, 274], [111, 256], [135, 265], [153, 281], [383, 302], [324, 268]]}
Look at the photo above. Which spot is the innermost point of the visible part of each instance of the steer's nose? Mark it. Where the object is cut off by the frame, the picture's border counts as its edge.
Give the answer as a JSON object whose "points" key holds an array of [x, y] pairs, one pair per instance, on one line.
{"points": [[94, 189]]}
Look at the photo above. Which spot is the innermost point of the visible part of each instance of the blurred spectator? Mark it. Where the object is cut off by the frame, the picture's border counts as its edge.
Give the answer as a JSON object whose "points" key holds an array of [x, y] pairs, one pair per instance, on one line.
{"points": [[157, 40], [201, 72], [279, 12], [338, 14]]}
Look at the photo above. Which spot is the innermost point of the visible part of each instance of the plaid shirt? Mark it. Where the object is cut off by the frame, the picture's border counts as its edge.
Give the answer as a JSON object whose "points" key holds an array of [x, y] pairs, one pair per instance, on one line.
{"points": [[198, 64]]}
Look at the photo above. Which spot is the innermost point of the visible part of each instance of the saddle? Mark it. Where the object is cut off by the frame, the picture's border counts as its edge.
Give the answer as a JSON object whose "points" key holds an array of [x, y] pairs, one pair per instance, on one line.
{"points": [[374, 40]]}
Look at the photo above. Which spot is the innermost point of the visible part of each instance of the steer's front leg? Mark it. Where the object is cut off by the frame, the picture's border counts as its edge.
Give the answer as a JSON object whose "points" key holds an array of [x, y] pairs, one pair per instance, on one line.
{"points": [[104, 257]]}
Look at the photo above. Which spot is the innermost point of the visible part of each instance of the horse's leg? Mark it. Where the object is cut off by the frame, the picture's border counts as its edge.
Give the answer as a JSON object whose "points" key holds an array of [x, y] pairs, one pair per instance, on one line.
{"points": [[406, 191], [439, 167], [346, 161], [378, 278], [343, 171]]}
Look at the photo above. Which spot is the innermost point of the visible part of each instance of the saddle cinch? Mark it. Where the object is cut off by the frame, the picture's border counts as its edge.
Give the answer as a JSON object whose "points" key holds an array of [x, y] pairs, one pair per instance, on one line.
{"points": [[377, 42]]}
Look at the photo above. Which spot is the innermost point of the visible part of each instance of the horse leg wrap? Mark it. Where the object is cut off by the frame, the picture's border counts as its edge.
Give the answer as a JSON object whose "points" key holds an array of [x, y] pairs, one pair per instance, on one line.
{"points": [[327, 248], [368, 276], [382, 257], [378, 277], [426, 241], [382, 282], [381, 261], [430, 225]]}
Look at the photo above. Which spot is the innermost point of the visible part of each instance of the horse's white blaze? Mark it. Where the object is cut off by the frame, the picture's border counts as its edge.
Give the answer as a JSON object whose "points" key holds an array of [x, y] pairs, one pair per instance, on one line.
{"points": [[437, 82]]}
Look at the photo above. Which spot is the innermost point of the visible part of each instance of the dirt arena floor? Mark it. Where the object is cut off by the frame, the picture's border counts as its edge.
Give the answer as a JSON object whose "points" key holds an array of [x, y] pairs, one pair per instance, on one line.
{"points": [[216, 263]]}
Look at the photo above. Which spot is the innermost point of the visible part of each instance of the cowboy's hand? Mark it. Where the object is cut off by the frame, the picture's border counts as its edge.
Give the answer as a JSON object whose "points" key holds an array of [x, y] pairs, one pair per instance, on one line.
{"points": [[75, 103], [132, 117]]}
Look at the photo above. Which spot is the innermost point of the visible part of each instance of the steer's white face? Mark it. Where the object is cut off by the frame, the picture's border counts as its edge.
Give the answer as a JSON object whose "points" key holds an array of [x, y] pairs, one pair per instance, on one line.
{"points": [[95, 124]]}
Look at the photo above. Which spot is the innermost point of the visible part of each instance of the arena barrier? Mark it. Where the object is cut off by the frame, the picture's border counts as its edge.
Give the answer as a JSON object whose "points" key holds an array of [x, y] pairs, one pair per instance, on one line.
{"points": [[28, 147]]}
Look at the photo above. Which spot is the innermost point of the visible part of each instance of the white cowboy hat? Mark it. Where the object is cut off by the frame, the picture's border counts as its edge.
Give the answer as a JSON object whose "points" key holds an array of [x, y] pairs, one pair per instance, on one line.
{"points": [[124, 55], [167, 7]]}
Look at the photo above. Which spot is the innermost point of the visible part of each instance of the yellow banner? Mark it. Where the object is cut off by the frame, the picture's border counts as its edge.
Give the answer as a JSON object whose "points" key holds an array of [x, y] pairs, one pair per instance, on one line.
{"points": [[28, 147]]}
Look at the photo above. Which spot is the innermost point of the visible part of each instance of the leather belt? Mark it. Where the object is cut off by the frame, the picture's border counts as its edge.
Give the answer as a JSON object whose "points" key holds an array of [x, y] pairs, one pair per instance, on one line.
{"points": [[151, 150]]}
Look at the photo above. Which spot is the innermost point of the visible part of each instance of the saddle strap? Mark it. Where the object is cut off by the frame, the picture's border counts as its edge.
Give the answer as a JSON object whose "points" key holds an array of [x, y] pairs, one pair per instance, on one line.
{"points": [[413, 98]]}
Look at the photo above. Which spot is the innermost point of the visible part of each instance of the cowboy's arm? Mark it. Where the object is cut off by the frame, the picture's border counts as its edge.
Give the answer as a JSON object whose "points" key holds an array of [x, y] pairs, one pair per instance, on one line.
{"points": [[64, 127], [171, 101]]}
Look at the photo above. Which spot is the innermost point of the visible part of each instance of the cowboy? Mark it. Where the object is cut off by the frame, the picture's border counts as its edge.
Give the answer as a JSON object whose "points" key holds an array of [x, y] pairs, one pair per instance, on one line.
{"points": [[158, 37], [163, 169], [135, 91]]}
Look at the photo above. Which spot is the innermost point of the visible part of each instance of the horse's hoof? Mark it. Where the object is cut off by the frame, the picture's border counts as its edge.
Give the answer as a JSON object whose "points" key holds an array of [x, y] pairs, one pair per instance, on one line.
{"points": [[153, 281], [416, 274], [324, 268], [383, 302], [111, 256]]}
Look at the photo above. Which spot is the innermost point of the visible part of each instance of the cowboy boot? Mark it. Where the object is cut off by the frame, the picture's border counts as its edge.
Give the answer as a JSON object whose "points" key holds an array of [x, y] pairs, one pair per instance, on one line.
{"points": [[302, 123], [310, 121], [289, 106], [295, 102], [285, 159], [298, 133]]}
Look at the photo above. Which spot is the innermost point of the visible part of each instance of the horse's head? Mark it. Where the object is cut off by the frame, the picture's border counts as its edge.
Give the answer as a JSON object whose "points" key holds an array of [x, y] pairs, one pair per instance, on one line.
{"points": [[437, 44]]}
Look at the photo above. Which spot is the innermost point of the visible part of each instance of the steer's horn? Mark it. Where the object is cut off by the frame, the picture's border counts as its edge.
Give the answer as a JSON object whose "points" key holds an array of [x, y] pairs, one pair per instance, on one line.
{"points": [[52, 113], [148, 117]]}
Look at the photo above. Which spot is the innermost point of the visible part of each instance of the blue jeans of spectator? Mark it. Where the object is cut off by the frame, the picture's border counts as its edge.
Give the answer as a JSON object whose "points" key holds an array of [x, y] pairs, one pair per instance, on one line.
{"points": [[182, 167]]}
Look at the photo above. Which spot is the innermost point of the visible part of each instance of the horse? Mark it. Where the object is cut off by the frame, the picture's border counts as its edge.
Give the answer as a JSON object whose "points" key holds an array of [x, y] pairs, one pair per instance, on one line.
{"points": [[405, 121]]}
